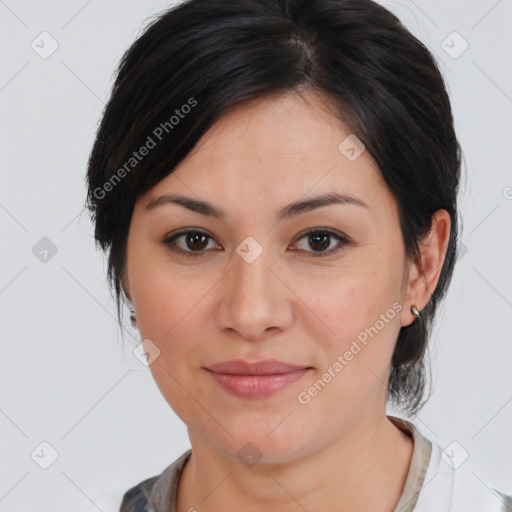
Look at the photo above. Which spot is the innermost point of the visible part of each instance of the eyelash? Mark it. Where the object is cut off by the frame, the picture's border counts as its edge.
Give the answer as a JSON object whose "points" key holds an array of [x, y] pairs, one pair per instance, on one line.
{"points": [[343, 240]]}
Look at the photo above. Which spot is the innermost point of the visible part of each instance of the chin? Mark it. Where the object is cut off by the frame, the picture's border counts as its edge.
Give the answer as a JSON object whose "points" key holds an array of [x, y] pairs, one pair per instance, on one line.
{"points": [[263, 443]]}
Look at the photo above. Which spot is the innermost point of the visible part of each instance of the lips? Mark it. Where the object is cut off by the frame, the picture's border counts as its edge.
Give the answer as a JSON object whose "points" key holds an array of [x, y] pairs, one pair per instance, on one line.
{"points": [[265, 367], [255, 380]]}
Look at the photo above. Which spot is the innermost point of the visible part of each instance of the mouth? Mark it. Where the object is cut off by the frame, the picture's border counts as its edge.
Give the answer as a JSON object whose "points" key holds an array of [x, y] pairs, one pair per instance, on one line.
{"points": [[256, 380]]}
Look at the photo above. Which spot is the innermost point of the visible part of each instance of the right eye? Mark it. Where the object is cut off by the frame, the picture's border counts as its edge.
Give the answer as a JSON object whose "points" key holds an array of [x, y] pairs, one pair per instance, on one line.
{"points": [[194, 242]]}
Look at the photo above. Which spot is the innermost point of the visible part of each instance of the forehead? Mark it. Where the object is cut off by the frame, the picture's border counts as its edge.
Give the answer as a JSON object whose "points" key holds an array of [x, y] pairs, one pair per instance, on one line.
{"points": [[273, 149]]}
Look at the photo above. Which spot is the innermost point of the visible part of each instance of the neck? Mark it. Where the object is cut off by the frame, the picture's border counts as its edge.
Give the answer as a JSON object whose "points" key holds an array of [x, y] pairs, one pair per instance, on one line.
{"points": [[365, 469]]}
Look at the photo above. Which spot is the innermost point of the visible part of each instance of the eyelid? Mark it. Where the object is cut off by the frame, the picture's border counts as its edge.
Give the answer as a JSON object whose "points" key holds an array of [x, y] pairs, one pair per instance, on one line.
{"points": [[169, 240], [330, 231], [341, 237]]}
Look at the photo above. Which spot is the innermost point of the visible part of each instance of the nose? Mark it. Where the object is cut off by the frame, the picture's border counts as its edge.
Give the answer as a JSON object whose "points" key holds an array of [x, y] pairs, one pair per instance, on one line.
{"points": [[255, 302]]}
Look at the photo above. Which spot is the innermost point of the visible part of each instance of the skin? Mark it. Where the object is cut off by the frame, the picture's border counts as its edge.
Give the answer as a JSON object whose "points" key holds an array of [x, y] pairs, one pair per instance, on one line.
{"points": [[339, 451]]}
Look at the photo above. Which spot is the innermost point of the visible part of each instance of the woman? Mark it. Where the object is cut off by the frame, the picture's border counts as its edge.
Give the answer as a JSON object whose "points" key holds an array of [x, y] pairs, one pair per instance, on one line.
{"points": [[276, 184]]}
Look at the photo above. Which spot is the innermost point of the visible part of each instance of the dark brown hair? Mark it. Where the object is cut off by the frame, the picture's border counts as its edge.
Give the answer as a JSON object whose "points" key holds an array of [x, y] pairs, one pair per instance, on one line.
{"points": [[200, 59]]}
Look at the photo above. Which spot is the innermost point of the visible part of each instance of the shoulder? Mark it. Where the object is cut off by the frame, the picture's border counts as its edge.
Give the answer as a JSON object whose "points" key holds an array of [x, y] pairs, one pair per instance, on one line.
{"points": [[506, 499], [462, 487], [136, 498], [472, 492], [445, 480], [157, 492]]}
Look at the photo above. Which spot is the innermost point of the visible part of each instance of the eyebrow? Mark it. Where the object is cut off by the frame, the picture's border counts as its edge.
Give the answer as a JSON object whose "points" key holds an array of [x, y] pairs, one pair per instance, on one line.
{"points": [[286, 212]]}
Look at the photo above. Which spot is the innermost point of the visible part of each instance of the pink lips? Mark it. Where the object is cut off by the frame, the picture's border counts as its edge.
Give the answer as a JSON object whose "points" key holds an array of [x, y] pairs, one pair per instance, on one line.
{"points": [[256, 380]]}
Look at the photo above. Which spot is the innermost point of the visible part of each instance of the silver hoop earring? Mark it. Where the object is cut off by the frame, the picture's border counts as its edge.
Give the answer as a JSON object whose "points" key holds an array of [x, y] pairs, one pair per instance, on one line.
{"points": [[415, 312]]}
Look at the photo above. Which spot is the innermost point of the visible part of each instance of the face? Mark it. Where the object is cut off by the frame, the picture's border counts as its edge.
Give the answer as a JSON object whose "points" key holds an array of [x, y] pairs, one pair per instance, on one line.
{"points": [[320, 288]]}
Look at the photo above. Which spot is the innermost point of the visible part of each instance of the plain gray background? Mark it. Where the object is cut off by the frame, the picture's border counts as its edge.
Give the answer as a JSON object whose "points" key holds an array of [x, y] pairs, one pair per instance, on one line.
{"points": [[65, 377]]}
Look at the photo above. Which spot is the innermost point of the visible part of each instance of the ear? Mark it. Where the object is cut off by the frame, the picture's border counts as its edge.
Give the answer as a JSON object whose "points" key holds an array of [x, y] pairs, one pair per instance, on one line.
{"points": [[433, 247]]}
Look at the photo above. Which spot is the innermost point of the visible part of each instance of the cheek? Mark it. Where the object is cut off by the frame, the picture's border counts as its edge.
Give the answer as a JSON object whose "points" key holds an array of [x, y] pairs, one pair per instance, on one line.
{"points": [[348, 300], [357, 348], [172, 315], [168, 304], [355, 313]]}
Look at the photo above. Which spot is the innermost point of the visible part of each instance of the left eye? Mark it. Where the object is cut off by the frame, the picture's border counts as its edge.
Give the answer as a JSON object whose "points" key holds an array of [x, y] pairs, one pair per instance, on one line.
{"points": [[195, 242], [320, 240]]}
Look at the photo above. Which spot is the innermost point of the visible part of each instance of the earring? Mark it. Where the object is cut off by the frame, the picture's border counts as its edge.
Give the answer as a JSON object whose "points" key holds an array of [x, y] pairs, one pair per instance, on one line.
{"points": [[415, 312], [132, 317]]}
